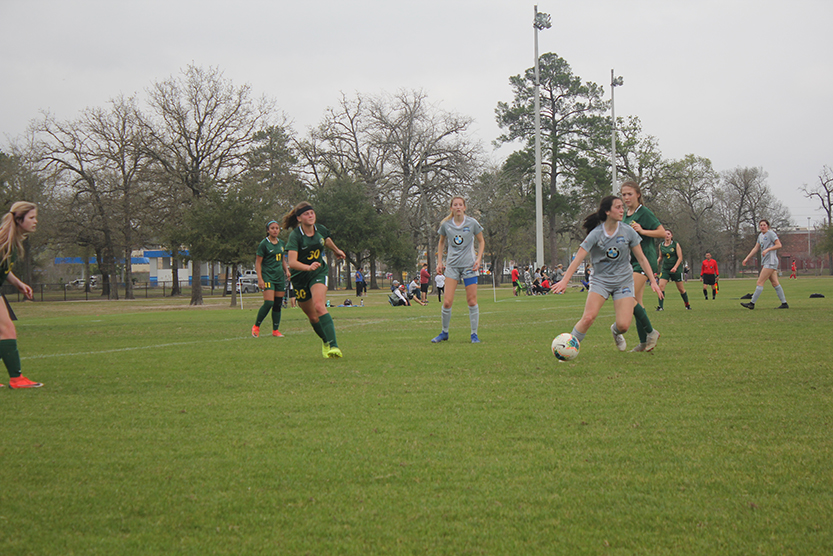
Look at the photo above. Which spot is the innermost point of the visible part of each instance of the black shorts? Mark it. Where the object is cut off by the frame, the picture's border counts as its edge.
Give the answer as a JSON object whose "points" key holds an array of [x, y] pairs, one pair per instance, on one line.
{"points": [[709, 279], [423, 288]]}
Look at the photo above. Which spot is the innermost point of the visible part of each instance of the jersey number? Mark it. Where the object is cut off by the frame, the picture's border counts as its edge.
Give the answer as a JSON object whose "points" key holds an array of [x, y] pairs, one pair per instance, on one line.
{"points": [[314, 255]]}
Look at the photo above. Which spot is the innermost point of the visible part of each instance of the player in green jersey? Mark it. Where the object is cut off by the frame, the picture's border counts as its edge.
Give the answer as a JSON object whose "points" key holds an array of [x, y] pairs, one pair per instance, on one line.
{"points": [[648, 226], [305, 254], [272, 273], [18, 223], [670, 259]]}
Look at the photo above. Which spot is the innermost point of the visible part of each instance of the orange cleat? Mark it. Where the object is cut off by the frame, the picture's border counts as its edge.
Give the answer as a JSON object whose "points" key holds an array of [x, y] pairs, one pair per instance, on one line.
{"points": [[255, 331], [23, 382], [277, 334]]}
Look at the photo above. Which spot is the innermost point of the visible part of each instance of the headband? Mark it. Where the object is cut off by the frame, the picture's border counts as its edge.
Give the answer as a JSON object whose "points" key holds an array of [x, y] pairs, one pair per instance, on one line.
{"points": [[303, 210], [272, 222]]}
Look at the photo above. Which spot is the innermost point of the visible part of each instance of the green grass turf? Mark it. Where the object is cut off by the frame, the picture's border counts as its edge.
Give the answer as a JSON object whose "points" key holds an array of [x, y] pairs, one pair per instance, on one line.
{"points": [[164, 429]]}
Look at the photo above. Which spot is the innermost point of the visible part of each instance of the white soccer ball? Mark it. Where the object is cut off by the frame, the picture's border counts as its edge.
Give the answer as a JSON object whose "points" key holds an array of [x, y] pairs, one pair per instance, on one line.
{"points": [[565, 347]]}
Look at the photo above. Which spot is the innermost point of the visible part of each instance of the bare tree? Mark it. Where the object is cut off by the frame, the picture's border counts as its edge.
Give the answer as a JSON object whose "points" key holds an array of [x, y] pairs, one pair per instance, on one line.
{"points": [[199, 132], [823, 191]]}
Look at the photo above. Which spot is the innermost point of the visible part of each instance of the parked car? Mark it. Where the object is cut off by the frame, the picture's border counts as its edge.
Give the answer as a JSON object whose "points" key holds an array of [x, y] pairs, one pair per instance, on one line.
{"points": [[79, 282], [245, 284]]}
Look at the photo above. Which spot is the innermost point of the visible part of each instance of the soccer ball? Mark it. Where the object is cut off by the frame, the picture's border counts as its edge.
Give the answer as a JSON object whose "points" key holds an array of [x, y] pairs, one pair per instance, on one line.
{"points": [[565, 347]]}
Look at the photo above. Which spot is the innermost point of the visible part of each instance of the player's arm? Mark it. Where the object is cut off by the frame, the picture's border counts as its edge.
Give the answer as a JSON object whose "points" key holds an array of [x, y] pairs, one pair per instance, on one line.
{"points": [[749, 256], [561, 285], [440, 250], [775, 247], [643, 262], [25, 289], [285, 265], [330, 244], [679, 258], [258, 268], [295, 264], [658, 233], [481, 245]]}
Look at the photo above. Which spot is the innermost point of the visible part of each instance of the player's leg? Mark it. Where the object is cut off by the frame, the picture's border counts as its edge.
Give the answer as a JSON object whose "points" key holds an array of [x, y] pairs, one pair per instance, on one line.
{"points": [[779, 291], [470, 283], [9, 353], [683, 294], [325, 320], [592, 305], [276, 313], [268, 303], [662, 283], [647, 335], [448, 301]]}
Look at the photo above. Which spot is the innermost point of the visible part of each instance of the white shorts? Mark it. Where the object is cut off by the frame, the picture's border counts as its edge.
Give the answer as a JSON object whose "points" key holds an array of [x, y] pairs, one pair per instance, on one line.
{"points": [[460, 274], [619, 290]]}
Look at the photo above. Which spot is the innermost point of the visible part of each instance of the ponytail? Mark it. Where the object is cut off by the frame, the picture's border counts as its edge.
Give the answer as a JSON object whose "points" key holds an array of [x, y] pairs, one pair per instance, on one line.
{"points": [[596, 218]]}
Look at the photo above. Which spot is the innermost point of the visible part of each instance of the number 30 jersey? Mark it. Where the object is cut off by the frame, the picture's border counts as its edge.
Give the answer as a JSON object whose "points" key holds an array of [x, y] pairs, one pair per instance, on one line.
{"points": [[310, 248]]}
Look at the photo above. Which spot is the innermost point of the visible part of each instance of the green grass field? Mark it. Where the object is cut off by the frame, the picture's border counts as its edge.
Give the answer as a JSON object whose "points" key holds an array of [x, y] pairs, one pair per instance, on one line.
{"points": [[164, 429]]}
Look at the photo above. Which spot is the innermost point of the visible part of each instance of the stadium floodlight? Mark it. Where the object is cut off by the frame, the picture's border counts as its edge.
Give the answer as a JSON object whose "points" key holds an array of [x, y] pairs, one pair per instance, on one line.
{"points": [[614, 82], [541, 21]]}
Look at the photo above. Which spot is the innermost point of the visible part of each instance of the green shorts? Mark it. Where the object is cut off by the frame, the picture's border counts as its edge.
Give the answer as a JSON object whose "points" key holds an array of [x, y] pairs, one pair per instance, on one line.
{"points": [[277, 283], [666, 274], [302, 283]]}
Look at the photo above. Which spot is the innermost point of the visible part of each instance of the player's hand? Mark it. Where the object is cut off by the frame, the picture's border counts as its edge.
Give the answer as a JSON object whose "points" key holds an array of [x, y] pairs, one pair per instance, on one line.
{"points": [[637, 227], [314, 266], [340, 254], [261, 284], [657, 290], [26, 290], [559, 287]]}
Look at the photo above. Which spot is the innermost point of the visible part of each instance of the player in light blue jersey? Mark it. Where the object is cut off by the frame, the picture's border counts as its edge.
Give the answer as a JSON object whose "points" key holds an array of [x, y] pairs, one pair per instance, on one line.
{"points": [[609, 244], [768, 244], [460, 233]]}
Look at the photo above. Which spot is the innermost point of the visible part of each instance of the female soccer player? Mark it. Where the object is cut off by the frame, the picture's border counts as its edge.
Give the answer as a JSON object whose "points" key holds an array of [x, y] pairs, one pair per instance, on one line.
{"points": [[670, 259], [460, 232], [768, 243], [609, 243], [305, 252], [18, 223], [272, 273], [648, 227]]}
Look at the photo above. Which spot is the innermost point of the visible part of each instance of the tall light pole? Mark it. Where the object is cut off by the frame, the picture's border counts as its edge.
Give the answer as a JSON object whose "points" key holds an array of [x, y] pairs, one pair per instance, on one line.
{"points": [[542, 21], [614, 82], [809, 251]]}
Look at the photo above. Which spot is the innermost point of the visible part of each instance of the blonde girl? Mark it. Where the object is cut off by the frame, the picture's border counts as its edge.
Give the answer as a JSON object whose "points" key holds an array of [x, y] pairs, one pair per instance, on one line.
{"points": [[18, 223]]}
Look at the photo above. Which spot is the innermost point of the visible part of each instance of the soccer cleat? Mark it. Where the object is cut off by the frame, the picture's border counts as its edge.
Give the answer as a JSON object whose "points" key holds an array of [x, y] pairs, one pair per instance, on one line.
{"points": [[651, 340], [441, 338], [640, 347], [277, 334], [2, 385], [688, 307], [255, 331], [325, 350], [334, 353], [621, 343], [23, 382], [783, 306], [475, 339], [659, 308], [749, 305]]}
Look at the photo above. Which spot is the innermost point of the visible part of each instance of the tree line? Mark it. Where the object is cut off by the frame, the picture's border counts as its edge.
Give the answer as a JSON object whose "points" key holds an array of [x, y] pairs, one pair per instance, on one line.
{"points": [[198, 165]]}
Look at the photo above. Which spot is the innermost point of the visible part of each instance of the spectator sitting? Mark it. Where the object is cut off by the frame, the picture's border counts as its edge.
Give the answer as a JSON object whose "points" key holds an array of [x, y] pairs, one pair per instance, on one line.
{"points": [[400, 297], [394, 285], [415, 289], [559, 273], [545, 285]]}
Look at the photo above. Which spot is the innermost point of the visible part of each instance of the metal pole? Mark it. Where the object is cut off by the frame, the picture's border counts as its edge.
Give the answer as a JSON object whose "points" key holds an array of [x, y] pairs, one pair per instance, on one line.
{"points": [[539, 202], [613, 183], [614, 82]]}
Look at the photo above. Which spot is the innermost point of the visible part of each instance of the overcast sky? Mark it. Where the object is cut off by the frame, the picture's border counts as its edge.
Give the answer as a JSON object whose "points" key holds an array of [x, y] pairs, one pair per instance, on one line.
{"points": [[743, 83]]}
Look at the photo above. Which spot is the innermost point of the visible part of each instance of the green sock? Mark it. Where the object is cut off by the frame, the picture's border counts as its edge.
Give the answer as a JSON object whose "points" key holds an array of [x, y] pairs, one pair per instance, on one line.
{"points": [[661, 302], [319, 330], [684, 295], [643, 323], [276, 314], [263, 311], [329, 329], [11, 357]]}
